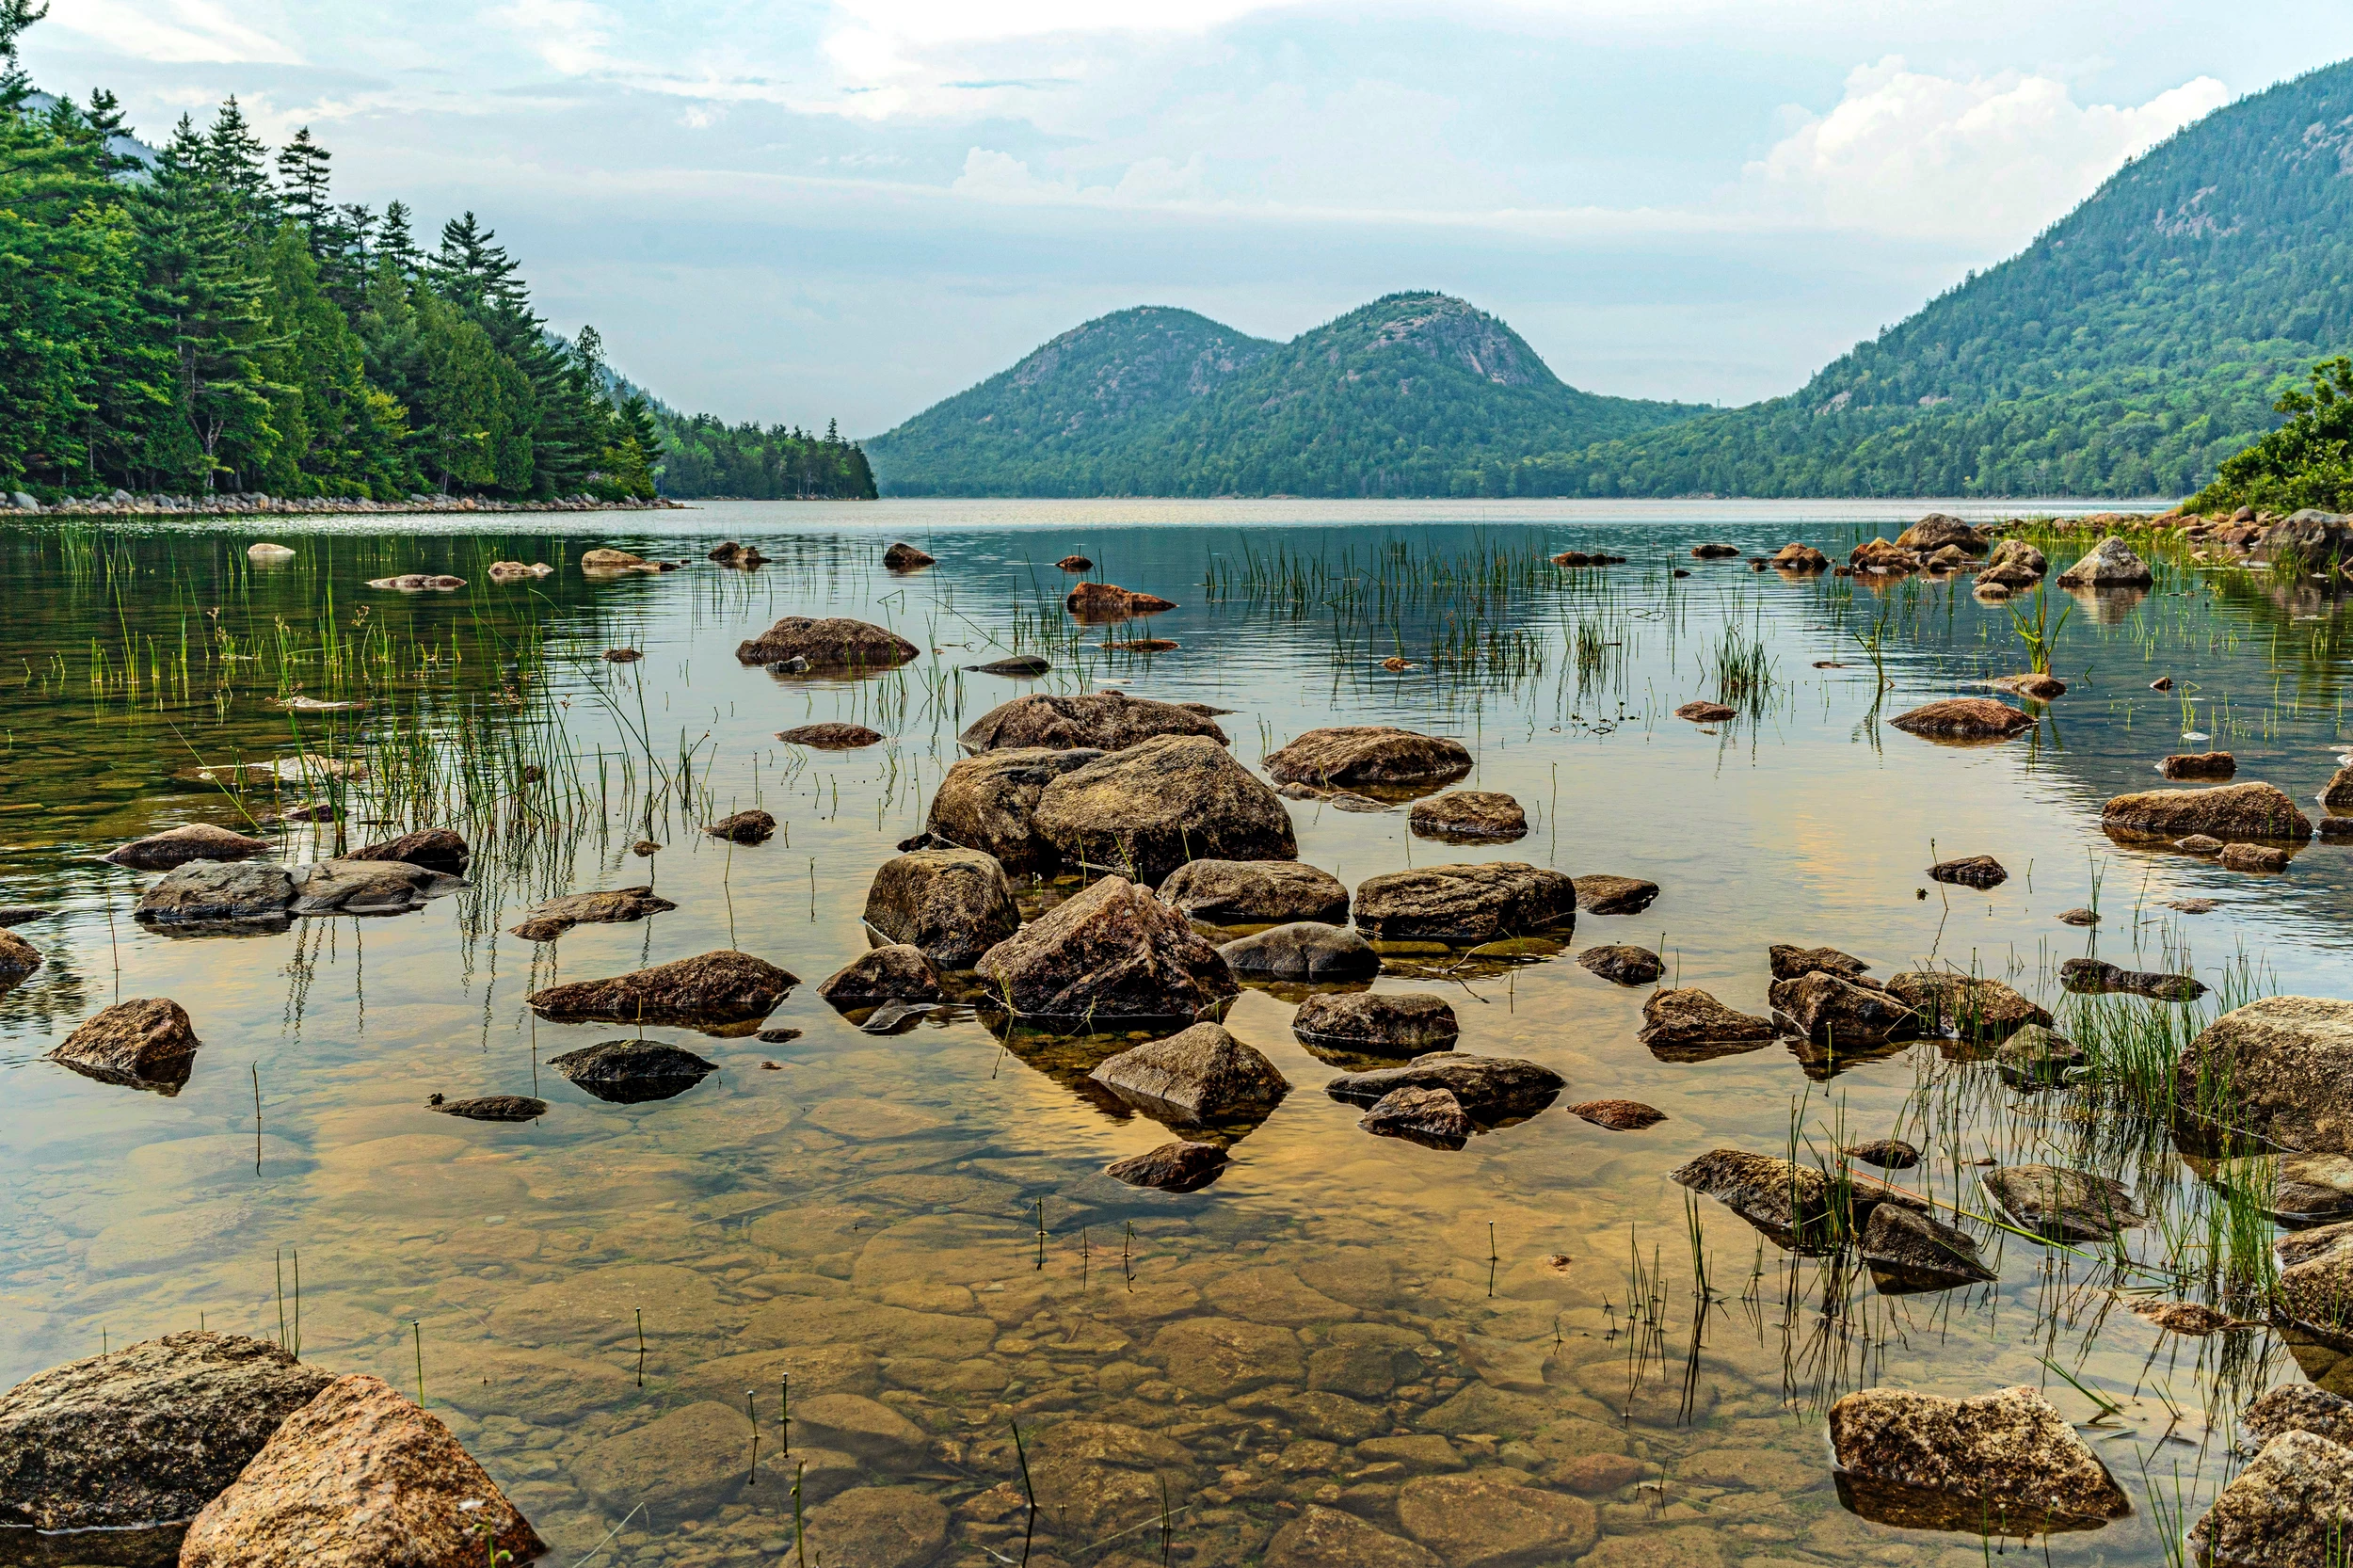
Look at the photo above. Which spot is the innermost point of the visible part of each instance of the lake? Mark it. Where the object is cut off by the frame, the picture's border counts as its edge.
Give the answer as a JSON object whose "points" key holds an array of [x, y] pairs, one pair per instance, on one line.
{"points": [[1536, 1347]]}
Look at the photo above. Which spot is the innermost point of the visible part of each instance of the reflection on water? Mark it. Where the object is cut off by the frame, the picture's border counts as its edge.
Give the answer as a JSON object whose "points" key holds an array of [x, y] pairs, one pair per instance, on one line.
{"points": [[908, 1233]]}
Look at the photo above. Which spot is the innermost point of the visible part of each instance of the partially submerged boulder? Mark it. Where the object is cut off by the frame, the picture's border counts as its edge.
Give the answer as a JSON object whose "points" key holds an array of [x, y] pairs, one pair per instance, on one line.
{"points": [[368, 888], [217, 892], [360, 1478], [1182, 1166], [1908, 1250], [1939, 530], [832, 643], [1971, 871], [1625, 964], [1599, 894], [2035, 1058], [2228, 812], [1431, 1116], [144, 1435], [1963, 718], [20, 959], [1878, 558], [2109, 564], [1303, 951], [1100, 601], [2062, 1204], [988, 803], [1971, 1006], [1491, 1089], [1790, 963], [2280, 1067], [2006, 1462], [1111, 953], [2096, 976], [1199, 1076], [2199, 764], [1794, 556], [952, 903], [720, 987], [1788, 1202], [436, 849], [744, 828], [1701, 711], [177, 846], [1688, 1021], [830, 737], [633, 1072], [545, 922], [899, 972], [1835, 1011], [1147, 809], [1255, 892], [2294, 1505], [1378, 1023], [904, 556], [1103, 721], [1467, 816], [1353, 756], [1465, 902], [145, 1043]]}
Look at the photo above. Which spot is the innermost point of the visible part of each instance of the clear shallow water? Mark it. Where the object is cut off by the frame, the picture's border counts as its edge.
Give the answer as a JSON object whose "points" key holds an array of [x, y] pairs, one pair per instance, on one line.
{"points": [[865, 1217]]}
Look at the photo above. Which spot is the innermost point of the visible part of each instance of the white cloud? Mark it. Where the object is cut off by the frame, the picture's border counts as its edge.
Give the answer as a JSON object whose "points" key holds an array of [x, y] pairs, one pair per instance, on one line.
{"points": [[569, 35], [1995, 157], [177, 32], [999, 177]]}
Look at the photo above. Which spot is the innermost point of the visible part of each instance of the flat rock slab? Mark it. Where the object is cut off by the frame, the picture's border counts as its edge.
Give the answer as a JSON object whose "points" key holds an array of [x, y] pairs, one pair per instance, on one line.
{"points": [[1492, 1089], [1256, 892], [544, 922], [1790, 963], [146, 1435], [718, 988], [1477, 1521], [1183, 1166], [1963, 718], [830, 737], [492, 1107], [1327, 1537], [2228, 812], [880, 1527], [1101, 721], [2009, 1455], [1378, 1023], [1614, 895], [833, 642], [161, 852], [1353, 755], [217, 892], [1465, 902], [2066, 1206], [1619, 1115]]}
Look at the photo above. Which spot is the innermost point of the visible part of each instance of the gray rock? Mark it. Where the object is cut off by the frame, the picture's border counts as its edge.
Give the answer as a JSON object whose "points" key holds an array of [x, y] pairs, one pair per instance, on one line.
{"points": [[631, 1072], [1178, 1167], [368, 888], [834, 643], [1199, 1076], [1256, 892], [1021, 666], [1101, 721], [2009, 1457], [1627, 966], [2063, 1205], [1378, 1024], [217, 892], [1491, 1089], [2321, 539], [2095, 976], [1113, 952], [1429, 1117], [2287, 1062], [1465, 903], [899, 972], [2287, 1509], [1908, 1250], [2109, 564], [1303, 950], [1377, 754], [710, 990], [544, 922], [143, 1435], [1146, 810], [987, 802], [196, 841], [952, 903], [1461, 816]]}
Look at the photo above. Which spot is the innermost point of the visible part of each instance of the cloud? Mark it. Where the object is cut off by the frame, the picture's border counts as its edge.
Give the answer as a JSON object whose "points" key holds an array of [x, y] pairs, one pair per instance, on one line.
{"points": [[569, 35], [1997, 157], [999, 177], [176, 32]]}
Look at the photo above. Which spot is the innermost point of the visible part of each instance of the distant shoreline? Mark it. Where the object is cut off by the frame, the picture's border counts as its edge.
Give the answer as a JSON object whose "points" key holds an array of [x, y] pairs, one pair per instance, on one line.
{"points": [[260, 504]]}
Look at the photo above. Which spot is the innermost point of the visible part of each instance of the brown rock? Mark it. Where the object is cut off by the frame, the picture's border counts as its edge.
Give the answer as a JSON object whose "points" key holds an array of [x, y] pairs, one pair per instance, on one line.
{"points": [[952, 903], [1963, 718], [1475, 1521], [904, 556], [2228, 811], [830, 737], [2253, 857], [2194, 1318], [880, 1527], [2199, 764], [1888, 1154], [1798, 557], [1908, 1250], [1714, 551], [1877, 557], [1100, 601], [1429, 1117], [1256, 892], [1326, 1538], [1378, 1023], [1113, 952], [1198, 1076], [2010, 1456], [1147, 809], [1700, 711], [1974, 1008], [546, 922], [359, 1477], [2199, 843], [615, 561], [1625, 965], [1975, 870], [1832, 1010], [2110, 564], [1939, 531], [1790, 1203], [1790, 963], [2066, 1206], [1689, 1018], [988, 803], [1467, 814], [1355, 755], [2288, 1066], [18, 958], [436, 849], [1075, 563], [2338, 796], [2287, 1508], [1591, 1474], [1491, 1089], [834, 643], [492, 1107], [1465, 903], [1106, 721], [633, 1072], [1178, 1167], [2300, 1407], [196, 841], [720, 987], [1619, 1115], [2040, 688], [146, 1041], [2094, 976], [1598, 894], [744, 828], [899, 972]]}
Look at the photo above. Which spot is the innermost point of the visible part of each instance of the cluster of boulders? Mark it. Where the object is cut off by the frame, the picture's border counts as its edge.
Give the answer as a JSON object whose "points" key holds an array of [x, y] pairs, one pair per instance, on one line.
{"points": [[213, 882], [121, 503]]}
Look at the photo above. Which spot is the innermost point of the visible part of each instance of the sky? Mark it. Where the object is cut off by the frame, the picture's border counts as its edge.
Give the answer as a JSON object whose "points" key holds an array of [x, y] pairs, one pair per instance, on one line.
{"points": [[793, 213]]}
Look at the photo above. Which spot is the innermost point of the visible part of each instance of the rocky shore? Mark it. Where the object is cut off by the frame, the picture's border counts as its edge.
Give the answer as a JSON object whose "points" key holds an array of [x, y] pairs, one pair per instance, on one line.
{"points": [[255, 504]]}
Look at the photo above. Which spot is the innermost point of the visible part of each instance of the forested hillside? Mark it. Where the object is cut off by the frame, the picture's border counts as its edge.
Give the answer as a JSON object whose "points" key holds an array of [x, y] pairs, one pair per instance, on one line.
{"points": [[1414, 394], [2127, 351], [702, 455]]}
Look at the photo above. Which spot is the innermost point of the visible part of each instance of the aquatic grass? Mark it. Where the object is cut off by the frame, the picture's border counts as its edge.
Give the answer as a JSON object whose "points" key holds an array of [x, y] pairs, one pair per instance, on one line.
{"points": [[2037, 632]]}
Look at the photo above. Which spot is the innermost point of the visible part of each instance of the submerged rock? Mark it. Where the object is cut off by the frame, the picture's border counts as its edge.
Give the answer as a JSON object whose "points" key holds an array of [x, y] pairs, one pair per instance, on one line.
{"points": [[1972, 1007], [2253, 858], [1147, 809], [1486, 1519], [1909, 1250], [147, 1434], [1491, 1089], [1378, 1024], [2006, 1461], [904, 556], [1975, 870], [952, 903], [1791, 962], [1178, 1167], [2062, 1204], [1689, 1019], [1699, 711], [360, 1478], [1477, 815], [899, 972], [834, 643], [210, 892], [2289, 1508], [830, 737], [196, 841], [545, 922], [1963, 718], [744, 828], [2035, 1058], [1832, 1010], [2228, 811], [1625, 965], [436, 849], [1254, 893], [1101, 721], [1598, 894], [492, 1107], [631, 1072], [1113, 952], [1465, 902], [1327, 1537], [988, 803], [721, 987], [1199, 1076], [1619, 1115], [2109, 564], [146, 1042], [1888, 1154], [2288, 1066], [1100, 601], [2096, 976], [1429, 1117], [1378, 754], [1303, 950]]}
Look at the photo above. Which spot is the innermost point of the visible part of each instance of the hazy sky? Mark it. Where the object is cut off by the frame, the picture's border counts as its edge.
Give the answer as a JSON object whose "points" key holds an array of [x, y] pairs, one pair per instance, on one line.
{"points": [[804, 210]]}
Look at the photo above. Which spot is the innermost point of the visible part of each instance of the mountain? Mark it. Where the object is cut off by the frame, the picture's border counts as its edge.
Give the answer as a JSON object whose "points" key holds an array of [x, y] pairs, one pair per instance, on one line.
{"points": [[2130, 348], [1414, 394]]}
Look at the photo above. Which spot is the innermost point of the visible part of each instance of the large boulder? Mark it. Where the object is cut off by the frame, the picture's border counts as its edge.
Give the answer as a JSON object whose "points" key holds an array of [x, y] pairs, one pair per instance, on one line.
{"points": [[1355, 755], [1491, 1089], [1790, 1203], [436, 849], [712, 988], [1938, 529], [1465, 903], [952, 903], [2109, 564], [1963, 718], [1147, 809], [2281, 1068], [1936, 1463], [217, 892], [1255, 892], [196, 841], [147, 1434], [2318, 539], [1104, 720], [1974, 1008], [1303, 950], [544, 922], [1473, 816], [834, 643], [1111, 952], [1687, 1020], [987, 802], [360, 1478], [145, 1042], [2064, 1204], [1835, 1011], [1378, 1023], [2231, 812], [1199, 1076], [2287, 1509]]}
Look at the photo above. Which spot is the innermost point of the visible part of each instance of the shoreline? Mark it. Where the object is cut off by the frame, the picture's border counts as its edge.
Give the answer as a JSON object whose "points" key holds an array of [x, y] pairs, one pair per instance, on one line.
{"points": [[259, 504]]}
